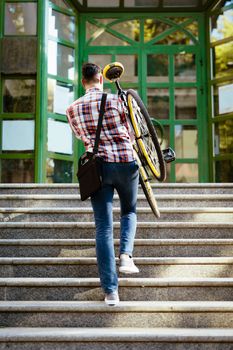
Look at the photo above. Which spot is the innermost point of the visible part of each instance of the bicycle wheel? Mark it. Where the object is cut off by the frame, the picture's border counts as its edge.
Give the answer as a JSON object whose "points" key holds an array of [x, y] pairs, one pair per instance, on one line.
{"points": [[147, 189], [145, 134]]}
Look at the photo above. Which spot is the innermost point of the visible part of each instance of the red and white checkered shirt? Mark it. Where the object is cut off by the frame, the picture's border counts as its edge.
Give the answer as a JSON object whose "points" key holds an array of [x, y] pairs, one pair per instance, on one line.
{"points": [[116, 133]]}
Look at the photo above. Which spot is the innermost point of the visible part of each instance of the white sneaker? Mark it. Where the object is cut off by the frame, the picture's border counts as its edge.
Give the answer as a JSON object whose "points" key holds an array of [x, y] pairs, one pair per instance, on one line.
{"points": [[112, 299], [127, 264]]}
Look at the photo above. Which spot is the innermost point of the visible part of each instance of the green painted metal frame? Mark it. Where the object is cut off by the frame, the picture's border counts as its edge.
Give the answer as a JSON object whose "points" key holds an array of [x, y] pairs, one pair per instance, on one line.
{"points": [[142, 50], [212, 119]]}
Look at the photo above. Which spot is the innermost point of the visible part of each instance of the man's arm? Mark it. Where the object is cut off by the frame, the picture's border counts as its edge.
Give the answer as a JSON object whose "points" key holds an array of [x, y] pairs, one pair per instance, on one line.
{"points": [[73, 123]]}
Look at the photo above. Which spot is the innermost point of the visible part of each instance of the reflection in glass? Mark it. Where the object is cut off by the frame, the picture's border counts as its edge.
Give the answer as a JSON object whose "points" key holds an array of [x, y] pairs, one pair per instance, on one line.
{"points": [[223, 137], [180, 3], [18, 135], [102, 3], [17, 170], [60, 60], [157, 68], [20, 18], [193, 28], [185, 67], [61, 25], [100, 60], [61, 3], [130, 28], [222, 93], [101, 37], [19, 95], [222, 25], [59, 137], [186, 141], [60, 96], [223, 171], [158, 103], [130, 63], [186, 172], [58, 171], [176, 38], [153, 27], [141, 3], [185, 103], [222, 56]]}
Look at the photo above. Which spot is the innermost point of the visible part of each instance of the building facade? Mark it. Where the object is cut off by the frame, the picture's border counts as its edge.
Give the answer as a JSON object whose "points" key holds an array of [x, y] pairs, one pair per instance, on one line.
{"points": [[177, 54]]}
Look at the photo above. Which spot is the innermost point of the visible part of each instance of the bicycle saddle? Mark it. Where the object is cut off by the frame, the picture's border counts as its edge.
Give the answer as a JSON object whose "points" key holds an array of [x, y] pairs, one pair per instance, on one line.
{"points": [[113, 71]]}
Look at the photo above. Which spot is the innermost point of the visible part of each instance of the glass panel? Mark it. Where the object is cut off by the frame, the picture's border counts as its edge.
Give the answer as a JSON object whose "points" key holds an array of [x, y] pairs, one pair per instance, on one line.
{"points": [[223, 102], [185, 67], [59, 137], [153, 27], [60, 60], [17, 170], [223, 137], [60, 96], [193, 28], [222, 56], [105, 20], [158, 103], [222, 25], [102, 3], [19, 95], [186, 172], [20, 18], [130, 63], [130, 29], [61, 3], [141, 3], [102, 38], [223, 171], [100, 60], [18, 55], [18, 135], [185, 103], [186, 141], [176, 38], [58, 171], [180, 3], [157, 68], [166, 136], [61, 25]]}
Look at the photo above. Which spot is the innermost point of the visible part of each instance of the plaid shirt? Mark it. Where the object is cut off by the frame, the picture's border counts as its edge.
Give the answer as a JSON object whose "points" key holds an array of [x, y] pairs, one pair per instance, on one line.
{"points": [[116, 133]]}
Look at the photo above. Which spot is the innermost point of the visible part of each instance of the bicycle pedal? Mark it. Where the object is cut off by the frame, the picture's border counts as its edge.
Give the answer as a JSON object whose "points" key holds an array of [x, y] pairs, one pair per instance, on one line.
{"points": [[169, 154]]}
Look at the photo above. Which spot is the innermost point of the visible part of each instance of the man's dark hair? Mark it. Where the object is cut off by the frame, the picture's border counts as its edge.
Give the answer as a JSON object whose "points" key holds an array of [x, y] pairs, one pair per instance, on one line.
{"points": [[89, 70]]}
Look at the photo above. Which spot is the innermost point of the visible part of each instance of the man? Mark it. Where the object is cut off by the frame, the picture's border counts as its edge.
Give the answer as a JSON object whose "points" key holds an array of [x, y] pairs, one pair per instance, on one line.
{"points": [[119, 171]]}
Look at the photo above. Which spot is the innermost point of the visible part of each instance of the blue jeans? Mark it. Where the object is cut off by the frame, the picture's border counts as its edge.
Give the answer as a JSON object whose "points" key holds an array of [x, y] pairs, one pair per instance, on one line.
{"points": [[124, 177]]}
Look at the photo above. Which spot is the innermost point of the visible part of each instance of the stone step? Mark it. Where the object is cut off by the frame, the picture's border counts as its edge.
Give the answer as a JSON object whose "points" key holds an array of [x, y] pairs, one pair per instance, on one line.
{"points": [[126, 314], [87, 267], [142, 247], [132, 338], [73, 200], [145, 229], [143, 213], [160, 188], [130, 288]]}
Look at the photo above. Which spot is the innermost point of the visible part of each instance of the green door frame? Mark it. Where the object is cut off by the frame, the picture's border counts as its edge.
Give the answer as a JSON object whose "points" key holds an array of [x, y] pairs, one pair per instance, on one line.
{"points": [[142, 49]]}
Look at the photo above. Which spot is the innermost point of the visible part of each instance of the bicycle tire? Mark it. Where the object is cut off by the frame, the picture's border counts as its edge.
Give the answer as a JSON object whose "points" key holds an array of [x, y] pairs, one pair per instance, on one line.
{"points": [[147, 189], [160, 176]]}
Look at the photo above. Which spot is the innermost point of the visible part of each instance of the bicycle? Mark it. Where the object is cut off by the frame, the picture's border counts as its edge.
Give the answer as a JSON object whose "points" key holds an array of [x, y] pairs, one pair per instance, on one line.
{"points": [[150, 157]]}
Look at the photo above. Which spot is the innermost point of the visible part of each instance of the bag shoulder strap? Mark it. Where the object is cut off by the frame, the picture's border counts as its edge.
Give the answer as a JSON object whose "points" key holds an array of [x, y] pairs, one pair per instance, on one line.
{"points": [[102, 109]]}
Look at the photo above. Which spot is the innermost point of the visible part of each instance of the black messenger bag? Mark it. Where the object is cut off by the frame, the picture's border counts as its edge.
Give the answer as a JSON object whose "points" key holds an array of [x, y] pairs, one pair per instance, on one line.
{"points": [[89, 164]]}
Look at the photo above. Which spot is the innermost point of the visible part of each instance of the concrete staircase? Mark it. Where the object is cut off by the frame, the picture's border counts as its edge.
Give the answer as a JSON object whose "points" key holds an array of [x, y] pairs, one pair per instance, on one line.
{"points": [[49, 286]]}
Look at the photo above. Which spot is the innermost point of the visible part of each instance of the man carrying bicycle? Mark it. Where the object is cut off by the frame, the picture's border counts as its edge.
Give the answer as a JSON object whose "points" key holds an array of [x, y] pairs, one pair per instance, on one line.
{"points": [[119, 171]]}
